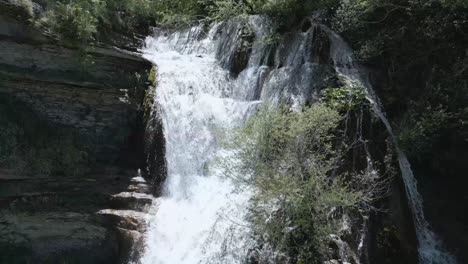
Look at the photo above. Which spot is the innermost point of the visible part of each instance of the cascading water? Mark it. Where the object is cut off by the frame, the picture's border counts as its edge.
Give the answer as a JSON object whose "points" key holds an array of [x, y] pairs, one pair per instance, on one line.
{"points": [[200, 212], [430, 248], [199, 208]]}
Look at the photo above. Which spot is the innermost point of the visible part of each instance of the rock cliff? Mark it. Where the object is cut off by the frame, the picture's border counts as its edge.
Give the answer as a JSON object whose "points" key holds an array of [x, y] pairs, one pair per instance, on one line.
{"points": [[96, 92]]}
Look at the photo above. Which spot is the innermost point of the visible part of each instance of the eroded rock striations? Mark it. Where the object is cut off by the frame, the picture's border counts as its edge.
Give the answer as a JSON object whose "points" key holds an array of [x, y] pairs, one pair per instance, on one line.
{"points": [[97, 92]]}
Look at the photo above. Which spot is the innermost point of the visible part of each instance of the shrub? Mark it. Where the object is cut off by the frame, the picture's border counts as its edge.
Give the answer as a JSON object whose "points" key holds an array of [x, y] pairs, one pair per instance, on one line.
{"points": [[27, 5], [420, 132], [86, 20], [288, 158], [73, 20], [455, 3], [271, 39], [225, 9], [345, 98]]}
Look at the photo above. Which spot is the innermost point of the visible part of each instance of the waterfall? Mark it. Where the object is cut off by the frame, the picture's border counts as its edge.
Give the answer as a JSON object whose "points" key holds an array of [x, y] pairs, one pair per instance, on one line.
{"points": [[430, 249], [200, 217], [199, 209]]}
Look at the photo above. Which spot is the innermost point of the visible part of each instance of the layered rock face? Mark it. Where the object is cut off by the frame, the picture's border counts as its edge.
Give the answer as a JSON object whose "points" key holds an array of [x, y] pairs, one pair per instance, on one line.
{"points": [[98, 93], [50, 220]]}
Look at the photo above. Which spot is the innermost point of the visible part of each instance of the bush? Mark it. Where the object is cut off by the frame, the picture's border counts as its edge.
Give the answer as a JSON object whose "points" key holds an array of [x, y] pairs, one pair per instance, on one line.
{"points": [[455, 3], [225, 9], [27, 5], [87, 20], [345, 98], [72, 20], [420, 132], [288, 158]]}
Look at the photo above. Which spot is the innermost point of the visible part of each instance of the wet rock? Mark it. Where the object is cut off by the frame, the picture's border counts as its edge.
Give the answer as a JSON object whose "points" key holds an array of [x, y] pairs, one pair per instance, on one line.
{"points": [[131, 243], [126, 219], [235, 46], [55, 219], [55, 237], [155, 170], [344, 250], [131, 200], [98, 93], [140, 188]]}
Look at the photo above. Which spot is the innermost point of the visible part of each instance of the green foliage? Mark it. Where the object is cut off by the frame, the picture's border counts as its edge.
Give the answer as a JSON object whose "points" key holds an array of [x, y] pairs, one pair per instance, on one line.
{"points": [[32, 148], [292, 7], [152, 76], [225, 9], [73, 20], [420, 48], [87, 20], [271, 40], [420, 132], [288, 158], [370, 49], [278, 7], [384, 26], [178, 14], [345, 98], [27, 5], [455, 3]]}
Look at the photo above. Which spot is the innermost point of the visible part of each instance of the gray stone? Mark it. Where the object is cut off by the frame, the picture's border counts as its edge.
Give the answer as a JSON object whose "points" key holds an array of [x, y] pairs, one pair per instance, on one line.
{"points": [[65, 236]]}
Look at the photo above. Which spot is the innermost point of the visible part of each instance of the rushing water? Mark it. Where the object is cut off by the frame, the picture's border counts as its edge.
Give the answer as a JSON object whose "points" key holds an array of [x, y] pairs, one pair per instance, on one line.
{"points": [[200, 216], [199, 207]]}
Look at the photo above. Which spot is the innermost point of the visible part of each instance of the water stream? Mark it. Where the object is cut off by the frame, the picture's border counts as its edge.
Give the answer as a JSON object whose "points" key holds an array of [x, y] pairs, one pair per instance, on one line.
{"points": [[199, 207]]}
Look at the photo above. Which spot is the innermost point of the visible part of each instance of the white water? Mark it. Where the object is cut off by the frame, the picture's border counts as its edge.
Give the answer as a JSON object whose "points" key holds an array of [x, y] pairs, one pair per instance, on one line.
{"points": [[430, 248], [200, 217]]}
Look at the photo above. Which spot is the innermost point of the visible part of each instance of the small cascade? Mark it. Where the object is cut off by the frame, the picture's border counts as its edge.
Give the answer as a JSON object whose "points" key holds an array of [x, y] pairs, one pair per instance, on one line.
{"points": [[430, 248]]}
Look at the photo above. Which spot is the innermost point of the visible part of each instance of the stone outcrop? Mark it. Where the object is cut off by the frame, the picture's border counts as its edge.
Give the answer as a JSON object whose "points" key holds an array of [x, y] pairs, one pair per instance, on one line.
{"points": [[57, 237], [57, 220], [236, 46], [96, 91], [129, 219]]}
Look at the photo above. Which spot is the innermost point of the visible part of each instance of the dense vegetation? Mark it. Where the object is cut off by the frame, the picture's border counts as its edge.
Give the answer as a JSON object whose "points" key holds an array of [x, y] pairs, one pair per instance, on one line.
{"points": [[89, 21], [293, 160], [420, 47]]}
